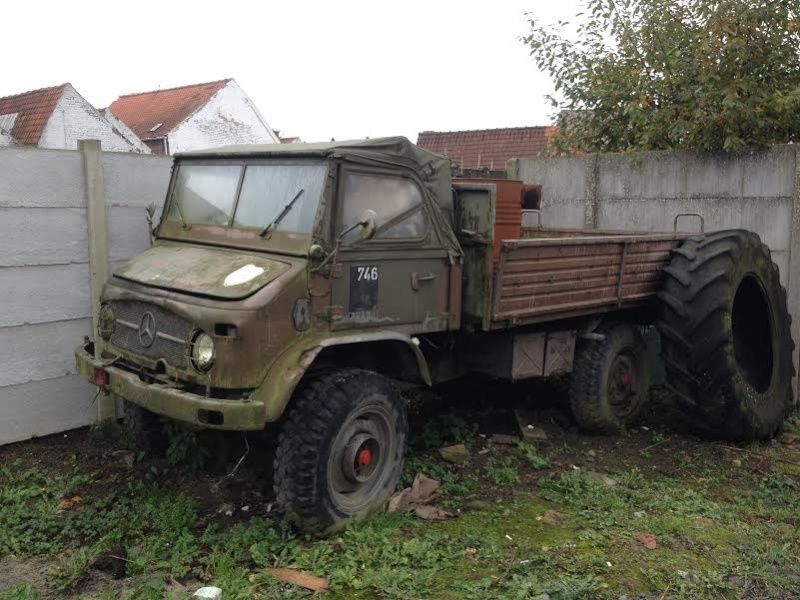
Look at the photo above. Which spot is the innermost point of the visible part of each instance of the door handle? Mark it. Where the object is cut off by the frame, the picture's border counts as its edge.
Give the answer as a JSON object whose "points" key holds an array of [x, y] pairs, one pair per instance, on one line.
{"points": [[417, 278]]}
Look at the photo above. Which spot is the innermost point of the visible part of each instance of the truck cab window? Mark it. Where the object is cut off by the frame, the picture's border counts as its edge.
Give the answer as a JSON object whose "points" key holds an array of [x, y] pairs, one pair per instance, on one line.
{"points": [[266, 189], [205, 194], [396, 201]]}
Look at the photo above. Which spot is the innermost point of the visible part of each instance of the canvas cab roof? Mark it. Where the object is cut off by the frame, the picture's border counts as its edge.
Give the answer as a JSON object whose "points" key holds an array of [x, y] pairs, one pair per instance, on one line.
{"points": [[432, 169]]}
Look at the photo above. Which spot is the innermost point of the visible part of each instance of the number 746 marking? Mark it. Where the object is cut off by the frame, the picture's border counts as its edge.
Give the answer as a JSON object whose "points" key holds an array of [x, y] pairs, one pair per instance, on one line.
{"points": [[366, 273]]}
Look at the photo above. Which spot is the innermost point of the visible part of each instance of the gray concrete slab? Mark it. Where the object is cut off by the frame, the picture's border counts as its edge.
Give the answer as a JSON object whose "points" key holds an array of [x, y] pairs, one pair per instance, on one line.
{"points": [[40, 351], [43, 294], [43, 407], [42, 236]]}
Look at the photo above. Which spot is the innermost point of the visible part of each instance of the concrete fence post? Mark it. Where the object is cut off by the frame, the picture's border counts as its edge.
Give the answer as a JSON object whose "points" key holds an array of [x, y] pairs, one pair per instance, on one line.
{"points": [[591, 199], [97, 234], [792, 280]]}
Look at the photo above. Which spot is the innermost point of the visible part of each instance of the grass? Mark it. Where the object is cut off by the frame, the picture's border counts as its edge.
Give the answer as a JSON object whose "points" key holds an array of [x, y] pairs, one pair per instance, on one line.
{"points": [[723, 528]]}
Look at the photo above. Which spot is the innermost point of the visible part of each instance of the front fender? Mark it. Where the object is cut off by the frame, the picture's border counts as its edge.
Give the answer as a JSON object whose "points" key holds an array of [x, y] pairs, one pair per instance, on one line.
{"points": [[288, 369]]}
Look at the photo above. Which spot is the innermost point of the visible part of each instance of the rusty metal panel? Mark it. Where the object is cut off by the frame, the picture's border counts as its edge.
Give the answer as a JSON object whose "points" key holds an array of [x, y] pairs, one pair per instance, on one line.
{"points": [[548, 278], [560, 352], [528, 355], [507, 210]]}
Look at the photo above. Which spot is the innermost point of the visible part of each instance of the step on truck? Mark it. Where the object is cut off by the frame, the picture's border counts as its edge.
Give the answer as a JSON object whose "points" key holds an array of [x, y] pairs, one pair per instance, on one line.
{"points": [[298, 289]]}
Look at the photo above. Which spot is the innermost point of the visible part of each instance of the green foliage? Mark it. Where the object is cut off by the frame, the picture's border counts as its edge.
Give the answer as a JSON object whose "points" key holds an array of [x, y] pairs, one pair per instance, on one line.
{"points": [[569, 587], [445, 429], [573, 537], [19, 592], [501, 471], [530, 454], [152, 589], [156, 524], [68, 574], [185, 449], [658, 74], [453, 483]]}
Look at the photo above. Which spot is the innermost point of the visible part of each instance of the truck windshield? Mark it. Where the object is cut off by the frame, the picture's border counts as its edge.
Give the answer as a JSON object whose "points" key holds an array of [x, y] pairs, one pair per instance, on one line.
{"points": [[210, 194]]}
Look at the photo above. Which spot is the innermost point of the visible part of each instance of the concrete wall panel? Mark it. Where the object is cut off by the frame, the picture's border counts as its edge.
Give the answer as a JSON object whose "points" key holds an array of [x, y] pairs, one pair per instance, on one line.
{"points": [[133, 180], [30, 177], [41, 351], [44, 276], [563, 179], [43, 294], [127, 232], [42, 236], [769, 174], [768, 217], [759, 191], [43, 407], [563, 214]]}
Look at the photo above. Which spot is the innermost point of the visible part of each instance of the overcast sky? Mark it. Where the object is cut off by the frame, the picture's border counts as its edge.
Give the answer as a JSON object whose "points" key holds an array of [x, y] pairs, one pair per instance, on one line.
{"points": [[342, 69]]}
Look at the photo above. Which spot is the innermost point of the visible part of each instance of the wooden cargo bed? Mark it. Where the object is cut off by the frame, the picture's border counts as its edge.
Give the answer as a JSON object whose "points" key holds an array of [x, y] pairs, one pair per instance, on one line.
{"points": [[548, 274], [544, 278]]}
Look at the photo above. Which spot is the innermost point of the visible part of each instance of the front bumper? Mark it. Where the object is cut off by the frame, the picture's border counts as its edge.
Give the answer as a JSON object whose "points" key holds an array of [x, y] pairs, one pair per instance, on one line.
{"points": [[163, 399]]}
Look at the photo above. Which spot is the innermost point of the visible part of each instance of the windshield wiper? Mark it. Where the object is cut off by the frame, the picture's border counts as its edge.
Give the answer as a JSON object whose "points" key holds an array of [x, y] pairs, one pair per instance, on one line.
{"points": [[282, 214], [184, 224]]}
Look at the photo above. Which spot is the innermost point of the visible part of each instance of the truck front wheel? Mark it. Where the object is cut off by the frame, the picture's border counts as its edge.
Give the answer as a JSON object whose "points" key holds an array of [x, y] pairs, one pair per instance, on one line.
{"points": [[340, 451], [609, 382], [145, 428]]}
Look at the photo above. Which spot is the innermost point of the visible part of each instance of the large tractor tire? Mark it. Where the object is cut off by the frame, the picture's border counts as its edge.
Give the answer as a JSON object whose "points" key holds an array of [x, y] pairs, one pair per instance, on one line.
{"points": [[726, 339], [341, 448], [609, 381]]}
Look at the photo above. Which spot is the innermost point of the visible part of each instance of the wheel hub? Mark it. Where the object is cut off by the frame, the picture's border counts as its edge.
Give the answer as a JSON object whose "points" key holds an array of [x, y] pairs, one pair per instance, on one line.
{"points": [[364, 457], [623, 392], [360, 457]]}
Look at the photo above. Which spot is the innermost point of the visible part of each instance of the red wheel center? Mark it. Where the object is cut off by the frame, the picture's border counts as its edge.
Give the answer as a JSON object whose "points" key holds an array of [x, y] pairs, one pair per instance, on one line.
{"points": [[364, 457], [626, 378]]}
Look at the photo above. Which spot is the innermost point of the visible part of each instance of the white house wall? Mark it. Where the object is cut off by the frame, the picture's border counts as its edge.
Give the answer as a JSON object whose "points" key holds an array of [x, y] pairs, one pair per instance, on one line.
{"points": [[125, 131], [75, 119], [5, 138], [230, 117]]}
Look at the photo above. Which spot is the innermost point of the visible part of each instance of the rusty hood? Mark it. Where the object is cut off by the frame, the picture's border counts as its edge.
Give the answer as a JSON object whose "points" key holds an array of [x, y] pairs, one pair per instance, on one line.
{"points": [[216, 272]]}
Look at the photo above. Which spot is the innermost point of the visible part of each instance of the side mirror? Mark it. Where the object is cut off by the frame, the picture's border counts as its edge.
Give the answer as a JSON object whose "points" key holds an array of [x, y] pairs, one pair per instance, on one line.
{"points": [[316, 252], [368, 223]]}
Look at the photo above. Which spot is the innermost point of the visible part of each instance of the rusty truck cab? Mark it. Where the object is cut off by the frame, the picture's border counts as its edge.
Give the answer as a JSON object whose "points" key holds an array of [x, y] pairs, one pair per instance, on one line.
{"points": [[267, 258]]}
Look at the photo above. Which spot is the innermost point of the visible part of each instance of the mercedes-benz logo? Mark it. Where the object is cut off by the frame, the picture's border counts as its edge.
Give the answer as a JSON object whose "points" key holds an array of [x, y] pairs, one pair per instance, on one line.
{"points": [[147, 330]]}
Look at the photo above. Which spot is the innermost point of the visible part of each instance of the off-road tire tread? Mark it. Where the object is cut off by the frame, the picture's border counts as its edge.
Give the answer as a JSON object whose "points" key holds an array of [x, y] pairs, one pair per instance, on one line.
{"points": [[587, 391], [697, 342], [304, 425]]}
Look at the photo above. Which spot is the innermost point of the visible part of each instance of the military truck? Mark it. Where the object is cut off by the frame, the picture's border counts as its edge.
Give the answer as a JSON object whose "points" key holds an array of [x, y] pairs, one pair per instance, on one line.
{"points": [[301, 289]]}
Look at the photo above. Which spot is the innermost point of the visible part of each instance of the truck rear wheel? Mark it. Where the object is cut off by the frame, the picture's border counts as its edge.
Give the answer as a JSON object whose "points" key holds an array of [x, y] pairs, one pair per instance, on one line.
{"points": [[609, 382], [726, 340], [340, 451]]}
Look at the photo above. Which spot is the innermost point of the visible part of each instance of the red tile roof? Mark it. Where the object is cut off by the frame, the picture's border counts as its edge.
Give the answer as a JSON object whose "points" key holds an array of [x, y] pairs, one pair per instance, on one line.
{"points": [[141, 112], [33, 111], [486, 147]]}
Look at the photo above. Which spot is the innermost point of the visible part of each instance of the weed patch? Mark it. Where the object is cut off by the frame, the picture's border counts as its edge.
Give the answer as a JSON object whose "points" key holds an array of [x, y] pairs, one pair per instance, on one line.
{"points": [[721, 529], [501, 471]]}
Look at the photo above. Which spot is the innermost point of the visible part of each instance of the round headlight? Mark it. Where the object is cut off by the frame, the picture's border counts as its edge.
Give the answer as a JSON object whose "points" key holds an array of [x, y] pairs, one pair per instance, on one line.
{"points": [[202, 351], [105, 322]]}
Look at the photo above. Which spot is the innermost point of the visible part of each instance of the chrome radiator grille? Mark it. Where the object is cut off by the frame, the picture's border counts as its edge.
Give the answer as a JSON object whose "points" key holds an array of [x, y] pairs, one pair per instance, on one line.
{"points": [[162, 334]]}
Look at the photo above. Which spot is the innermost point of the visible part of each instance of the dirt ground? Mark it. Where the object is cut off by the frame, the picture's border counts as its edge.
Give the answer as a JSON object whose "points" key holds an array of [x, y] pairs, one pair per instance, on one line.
{"points": [[653, 512]]}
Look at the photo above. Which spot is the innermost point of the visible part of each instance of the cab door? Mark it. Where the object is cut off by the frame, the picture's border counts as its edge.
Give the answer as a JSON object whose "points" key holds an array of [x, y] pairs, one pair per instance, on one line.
{"points": [[399, 277]]}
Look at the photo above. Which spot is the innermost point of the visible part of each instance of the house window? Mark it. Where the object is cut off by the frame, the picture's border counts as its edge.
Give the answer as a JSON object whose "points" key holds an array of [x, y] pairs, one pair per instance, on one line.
{"points": [[396, 201]]}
